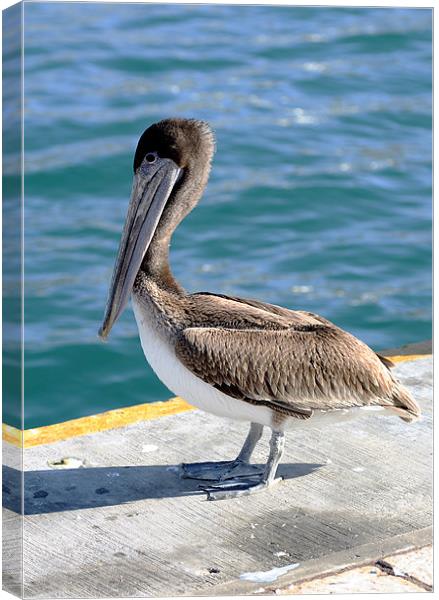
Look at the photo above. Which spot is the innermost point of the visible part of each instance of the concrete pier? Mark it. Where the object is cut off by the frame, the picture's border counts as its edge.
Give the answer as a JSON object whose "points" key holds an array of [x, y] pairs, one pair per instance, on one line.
{"points": [[106, 513]]}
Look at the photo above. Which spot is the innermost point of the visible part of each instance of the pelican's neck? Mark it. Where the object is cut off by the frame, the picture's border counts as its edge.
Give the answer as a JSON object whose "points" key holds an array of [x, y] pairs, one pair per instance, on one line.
{"points": [[155, 264]]}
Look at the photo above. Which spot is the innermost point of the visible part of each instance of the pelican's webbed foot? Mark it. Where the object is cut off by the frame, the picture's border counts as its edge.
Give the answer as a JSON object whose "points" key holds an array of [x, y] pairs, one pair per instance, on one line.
{"points": [[219, 471], [230, 469], [236, 488]]}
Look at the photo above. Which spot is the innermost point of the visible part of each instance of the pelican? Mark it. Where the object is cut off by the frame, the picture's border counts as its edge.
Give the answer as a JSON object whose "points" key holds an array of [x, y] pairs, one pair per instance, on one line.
{"points": [[233, 357]]}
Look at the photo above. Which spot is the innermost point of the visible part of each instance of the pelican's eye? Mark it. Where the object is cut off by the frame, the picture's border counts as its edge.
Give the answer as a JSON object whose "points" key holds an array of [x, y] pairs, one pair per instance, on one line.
{"points": [[151, 158]]}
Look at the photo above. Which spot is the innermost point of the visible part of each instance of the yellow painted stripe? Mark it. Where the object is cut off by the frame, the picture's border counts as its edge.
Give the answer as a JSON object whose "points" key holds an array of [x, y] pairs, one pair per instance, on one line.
{"points": [[12, 435], [112, 419], [405, 357]]}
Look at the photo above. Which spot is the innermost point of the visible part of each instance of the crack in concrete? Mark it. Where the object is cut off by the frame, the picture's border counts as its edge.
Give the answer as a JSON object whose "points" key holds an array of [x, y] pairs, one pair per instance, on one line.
{"points": [[387, 568]]}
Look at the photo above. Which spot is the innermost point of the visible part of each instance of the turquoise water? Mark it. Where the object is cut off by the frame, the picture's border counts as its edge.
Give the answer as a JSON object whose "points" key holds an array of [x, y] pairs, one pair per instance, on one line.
{"points": [[319, 198]]}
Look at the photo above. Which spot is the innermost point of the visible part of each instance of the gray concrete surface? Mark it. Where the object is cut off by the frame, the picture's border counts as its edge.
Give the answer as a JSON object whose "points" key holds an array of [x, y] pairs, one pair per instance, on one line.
{"points": [[126, 525], [12, 521]]}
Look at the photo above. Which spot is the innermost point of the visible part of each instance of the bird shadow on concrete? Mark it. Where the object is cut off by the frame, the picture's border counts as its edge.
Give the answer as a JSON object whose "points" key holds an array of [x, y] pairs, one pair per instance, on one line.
{"points": [[54, 490]]}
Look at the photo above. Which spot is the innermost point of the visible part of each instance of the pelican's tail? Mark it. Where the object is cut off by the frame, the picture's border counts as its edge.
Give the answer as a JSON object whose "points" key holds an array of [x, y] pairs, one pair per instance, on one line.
{"points": [[404, 405]]}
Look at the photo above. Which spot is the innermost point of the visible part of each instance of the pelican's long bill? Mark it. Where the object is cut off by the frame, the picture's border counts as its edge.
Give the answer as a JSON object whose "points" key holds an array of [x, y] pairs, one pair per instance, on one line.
{"points": [[152, 186]]}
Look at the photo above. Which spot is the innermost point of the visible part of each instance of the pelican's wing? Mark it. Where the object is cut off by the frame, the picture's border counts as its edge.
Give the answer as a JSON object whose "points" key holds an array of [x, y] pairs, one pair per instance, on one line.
{"points": [[300, 317], [294, 317], [295, 370]]}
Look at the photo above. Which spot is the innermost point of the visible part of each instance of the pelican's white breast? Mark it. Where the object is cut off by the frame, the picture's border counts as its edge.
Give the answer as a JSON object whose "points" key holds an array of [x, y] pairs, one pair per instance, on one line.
{"points": [[170, 370]]}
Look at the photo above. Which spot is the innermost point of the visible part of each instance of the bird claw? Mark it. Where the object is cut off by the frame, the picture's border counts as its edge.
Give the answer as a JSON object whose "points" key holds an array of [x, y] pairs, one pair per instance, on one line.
{"points": [[219, 471], [237, 488]]}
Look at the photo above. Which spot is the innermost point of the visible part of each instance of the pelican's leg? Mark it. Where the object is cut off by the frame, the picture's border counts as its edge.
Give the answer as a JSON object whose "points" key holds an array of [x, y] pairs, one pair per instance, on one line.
{"points": [[253, 437], [243, 487], [228, 469]]}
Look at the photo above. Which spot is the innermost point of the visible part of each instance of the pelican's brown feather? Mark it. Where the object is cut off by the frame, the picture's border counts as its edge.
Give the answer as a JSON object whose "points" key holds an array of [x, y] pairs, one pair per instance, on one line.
{"points": [[386, 361]]}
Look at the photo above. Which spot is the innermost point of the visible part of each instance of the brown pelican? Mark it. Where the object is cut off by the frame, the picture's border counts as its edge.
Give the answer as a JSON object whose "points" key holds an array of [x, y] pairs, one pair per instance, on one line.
{"points": [[230, 356]]}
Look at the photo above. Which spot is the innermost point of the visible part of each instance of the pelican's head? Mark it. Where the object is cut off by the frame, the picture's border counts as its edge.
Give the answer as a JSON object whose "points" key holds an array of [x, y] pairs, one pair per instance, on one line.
{"points": [[171, 168]]}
